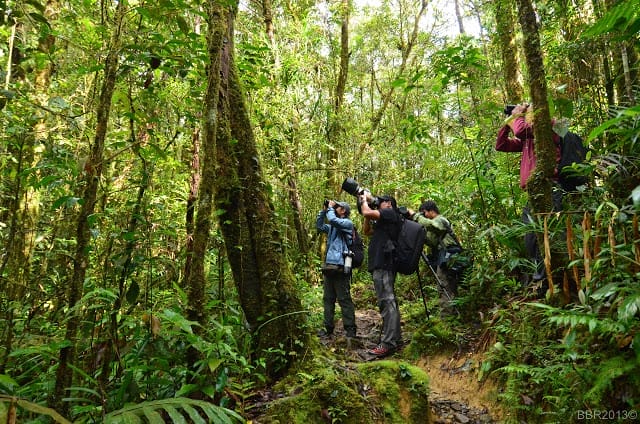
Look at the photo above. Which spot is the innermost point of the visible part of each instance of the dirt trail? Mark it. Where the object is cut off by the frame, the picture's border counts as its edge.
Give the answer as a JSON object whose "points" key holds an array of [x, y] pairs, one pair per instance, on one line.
{"points": [[456, 394]]}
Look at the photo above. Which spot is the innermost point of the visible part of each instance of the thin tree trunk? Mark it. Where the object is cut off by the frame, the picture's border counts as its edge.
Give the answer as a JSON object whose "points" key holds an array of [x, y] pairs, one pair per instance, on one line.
{"points": [[296, 205], [286, 160], [386, 96], [335, 126], [609, 81], [626, 71], [93, 169], [24, 206], [194, 188], [540, 193], [459, 17], [505, 23]]}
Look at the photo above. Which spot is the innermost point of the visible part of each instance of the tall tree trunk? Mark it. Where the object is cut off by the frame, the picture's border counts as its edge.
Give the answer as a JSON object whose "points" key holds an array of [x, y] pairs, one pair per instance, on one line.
{"points": [[194, 188], [627, 54], [294, 202], [459, 17], [624, 75], [24, 203], [539, 185], [505, 27], [607, 65], [254, 246], [335, 124], [93, 169], [196, 281]]}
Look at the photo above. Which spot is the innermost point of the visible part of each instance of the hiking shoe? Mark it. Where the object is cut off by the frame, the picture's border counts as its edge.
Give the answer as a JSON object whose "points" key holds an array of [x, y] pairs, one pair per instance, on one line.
{"points": [[380, 351], [324, 334]]}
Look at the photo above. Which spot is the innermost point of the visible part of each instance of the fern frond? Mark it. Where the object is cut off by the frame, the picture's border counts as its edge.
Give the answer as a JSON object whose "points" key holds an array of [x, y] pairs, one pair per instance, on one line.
{"points": [[33, 407], [179, 410], [619, 18], [608, 371]]}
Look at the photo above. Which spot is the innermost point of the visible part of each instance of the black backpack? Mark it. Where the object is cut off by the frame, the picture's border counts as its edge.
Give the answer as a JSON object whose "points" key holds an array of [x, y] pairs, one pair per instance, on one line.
{"points": [[572, 150], [357, 247], [409, 245]]}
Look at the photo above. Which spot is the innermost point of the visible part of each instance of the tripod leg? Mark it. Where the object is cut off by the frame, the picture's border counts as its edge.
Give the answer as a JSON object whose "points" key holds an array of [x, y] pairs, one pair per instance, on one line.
{"points": [[440, 284], [424, 301]]}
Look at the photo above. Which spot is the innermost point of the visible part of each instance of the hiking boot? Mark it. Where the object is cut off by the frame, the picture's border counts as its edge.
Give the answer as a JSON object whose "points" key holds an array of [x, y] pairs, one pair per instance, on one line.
{"points": [[380, 351], [325, 334]]}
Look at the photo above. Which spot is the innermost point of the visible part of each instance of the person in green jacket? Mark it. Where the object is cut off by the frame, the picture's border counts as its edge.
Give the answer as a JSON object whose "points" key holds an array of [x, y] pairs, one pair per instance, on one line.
{"points": [[443, 245]]}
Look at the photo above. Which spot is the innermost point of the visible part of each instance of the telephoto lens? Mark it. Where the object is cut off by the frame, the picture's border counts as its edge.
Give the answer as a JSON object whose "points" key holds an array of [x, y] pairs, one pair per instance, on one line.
{"points": [[352, 187]]}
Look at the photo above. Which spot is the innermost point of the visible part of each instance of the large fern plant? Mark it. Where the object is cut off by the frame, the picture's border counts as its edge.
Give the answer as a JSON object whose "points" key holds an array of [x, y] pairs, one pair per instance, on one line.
{"points": [[175, 410]]}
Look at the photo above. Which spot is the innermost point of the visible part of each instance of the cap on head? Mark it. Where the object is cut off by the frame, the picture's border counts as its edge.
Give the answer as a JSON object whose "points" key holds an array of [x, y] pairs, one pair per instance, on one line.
{"points": [[387, 198], [345, 206]]}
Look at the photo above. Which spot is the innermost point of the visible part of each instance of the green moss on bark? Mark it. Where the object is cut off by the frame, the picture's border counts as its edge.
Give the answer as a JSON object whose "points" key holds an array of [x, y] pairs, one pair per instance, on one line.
{"points": [[372, 392]]}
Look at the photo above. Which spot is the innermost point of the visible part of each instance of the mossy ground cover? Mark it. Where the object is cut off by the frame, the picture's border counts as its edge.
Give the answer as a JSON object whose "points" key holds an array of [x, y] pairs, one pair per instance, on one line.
{"points": [[384, 391]]}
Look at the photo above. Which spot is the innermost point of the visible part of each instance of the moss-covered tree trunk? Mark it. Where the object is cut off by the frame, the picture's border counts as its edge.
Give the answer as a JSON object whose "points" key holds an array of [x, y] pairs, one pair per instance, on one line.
{"points": [[335, 131], [194, 189], [254, 246], [195, 278], [93, 172], [22, 205], [505, 27], [539, 185]]}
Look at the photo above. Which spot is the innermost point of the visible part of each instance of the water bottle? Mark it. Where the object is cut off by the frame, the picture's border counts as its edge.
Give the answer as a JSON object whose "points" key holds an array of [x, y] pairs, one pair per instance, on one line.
{"points": [[348, 257]]}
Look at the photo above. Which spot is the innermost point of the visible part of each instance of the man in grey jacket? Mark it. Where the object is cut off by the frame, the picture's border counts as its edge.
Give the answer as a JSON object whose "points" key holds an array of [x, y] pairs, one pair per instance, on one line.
{"points": [[337, 278]]}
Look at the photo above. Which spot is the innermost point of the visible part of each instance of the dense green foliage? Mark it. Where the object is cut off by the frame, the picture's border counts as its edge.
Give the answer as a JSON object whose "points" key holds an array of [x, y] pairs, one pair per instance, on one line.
{"points": [[418, 121]]}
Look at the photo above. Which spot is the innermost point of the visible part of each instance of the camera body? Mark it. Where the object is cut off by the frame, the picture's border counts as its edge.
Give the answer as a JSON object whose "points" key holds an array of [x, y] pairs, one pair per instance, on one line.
{"points": [[404, 211], [348, 260], [508, 109], [352, 187]]}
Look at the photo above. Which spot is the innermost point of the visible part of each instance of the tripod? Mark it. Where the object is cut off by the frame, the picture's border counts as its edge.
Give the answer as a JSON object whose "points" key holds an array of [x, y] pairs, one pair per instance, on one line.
{"points": [[444, 289]]}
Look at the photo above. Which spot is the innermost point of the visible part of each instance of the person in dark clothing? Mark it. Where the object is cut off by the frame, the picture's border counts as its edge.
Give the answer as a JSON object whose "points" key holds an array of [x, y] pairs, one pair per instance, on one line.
{"points": [[383, 225], [337, 280]]}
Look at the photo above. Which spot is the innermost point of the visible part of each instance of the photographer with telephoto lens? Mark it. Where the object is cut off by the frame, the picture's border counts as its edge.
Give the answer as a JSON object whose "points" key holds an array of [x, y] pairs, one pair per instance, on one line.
{"points": [[336, 268], [382, 223]]}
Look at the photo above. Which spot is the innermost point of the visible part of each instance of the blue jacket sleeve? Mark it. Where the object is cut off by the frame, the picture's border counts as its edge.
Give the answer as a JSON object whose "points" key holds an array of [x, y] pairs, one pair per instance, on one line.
{"points": [[343, 225], [321, 226]]}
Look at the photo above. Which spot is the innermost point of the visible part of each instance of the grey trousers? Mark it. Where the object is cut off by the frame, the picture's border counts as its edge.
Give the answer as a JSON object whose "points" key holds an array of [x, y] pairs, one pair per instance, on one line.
{"points": [[384, 282], [447, 289]]}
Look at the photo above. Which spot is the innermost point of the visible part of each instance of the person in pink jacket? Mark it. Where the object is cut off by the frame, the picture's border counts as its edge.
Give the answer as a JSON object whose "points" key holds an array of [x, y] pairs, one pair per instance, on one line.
{"points": [[522, 141]]}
